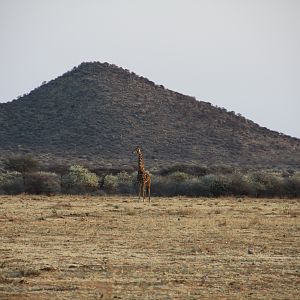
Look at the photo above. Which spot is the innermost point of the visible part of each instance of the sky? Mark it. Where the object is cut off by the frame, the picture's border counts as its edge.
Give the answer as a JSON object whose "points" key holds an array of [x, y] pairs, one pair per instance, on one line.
{"points": [[243, 55]]}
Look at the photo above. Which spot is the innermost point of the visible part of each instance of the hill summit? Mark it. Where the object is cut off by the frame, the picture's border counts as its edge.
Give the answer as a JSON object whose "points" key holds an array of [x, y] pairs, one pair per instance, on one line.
{"points": [[99, 112]]}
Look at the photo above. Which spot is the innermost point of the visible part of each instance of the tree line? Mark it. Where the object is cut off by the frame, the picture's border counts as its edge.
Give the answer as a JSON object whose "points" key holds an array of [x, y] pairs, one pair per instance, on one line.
{"points": [[23, 174]]}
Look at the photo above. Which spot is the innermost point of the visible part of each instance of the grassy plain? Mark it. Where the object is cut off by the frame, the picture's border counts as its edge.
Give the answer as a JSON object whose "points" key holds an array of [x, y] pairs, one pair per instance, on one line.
{"points": [[84, 247]]}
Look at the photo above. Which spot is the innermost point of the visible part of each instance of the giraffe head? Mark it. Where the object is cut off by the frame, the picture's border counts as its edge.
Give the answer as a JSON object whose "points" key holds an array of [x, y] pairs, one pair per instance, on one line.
{"points": [[137, 150]]}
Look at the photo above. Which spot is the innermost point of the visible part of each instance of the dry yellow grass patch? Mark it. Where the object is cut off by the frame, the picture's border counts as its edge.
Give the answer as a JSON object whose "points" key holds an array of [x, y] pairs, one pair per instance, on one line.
{"points": [[82, 247]]}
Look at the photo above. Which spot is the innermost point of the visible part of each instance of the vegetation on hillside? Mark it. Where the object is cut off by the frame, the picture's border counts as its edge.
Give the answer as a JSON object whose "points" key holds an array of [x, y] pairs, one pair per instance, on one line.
{"points": [[97, 113]]}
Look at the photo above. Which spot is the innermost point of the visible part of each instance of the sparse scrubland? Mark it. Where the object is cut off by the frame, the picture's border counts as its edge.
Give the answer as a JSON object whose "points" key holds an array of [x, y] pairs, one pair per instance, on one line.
{"points": [[24, 174], [108, 247]]}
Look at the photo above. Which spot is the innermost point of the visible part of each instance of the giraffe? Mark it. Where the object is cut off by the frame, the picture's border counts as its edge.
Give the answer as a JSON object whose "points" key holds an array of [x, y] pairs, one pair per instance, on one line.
{"points": [[143, 177]]}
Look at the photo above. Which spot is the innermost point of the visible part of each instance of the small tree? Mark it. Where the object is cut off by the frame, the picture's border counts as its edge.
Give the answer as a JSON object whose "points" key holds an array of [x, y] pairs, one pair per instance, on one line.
{"points": [[292, 186], [110, 184], [217, 184], [11, 183], [267, 184], [239, 185], [42, 183], [126, 183], [59, 169], [80, 180], [178, 177], [22, 163]]}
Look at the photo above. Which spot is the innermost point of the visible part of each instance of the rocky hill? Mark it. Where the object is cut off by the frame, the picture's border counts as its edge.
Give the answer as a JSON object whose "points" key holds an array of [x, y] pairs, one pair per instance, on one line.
{"points": [[97, 113]]}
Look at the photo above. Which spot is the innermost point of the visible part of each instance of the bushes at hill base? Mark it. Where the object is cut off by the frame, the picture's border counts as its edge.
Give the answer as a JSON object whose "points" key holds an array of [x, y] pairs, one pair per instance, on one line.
{"points": [[240, 185], [79, 180], [178, 176], [36, 183], [291, 187], [42, 183], [236, 184], [110, 184], [21, 163], [266, 184], [122, 183], [11, 183], [208, 186]]}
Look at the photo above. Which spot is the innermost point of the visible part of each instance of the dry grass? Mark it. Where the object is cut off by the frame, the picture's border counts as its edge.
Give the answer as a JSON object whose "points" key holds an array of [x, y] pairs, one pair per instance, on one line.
{"points": [[86, 247]]}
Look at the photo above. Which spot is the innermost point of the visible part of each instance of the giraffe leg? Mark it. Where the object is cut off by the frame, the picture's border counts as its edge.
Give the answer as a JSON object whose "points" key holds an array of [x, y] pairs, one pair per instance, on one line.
{"points": [[149, 184], [140, 190], [144, 192]]}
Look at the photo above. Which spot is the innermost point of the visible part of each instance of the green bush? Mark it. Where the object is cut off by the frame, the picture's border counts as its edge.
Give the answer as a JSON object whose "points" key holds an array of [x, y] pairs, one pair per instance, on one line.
{"points": [[217, 185], [123, 177], [178, 176], [266, 184], [79, 180], [240, 185], [22, 164], [122, 183], [110, 184], [11, 183], [42, 183], [161, 186], [291, 186], [166, 186], [194, 187], [127, 184]]}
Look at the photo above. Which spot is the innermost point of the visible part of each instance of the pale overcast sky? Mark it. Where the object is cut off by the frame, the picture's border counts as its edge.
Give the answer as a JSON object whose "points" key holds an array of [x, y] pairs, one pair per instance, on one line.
{"points": [[243, 55]]}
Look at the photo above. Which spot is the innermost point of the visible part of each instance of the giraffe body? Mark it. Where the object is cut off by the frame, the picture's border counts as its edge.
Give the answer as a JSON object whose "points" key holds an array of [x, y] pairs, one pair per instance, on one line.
{"points": [[143, 177]]}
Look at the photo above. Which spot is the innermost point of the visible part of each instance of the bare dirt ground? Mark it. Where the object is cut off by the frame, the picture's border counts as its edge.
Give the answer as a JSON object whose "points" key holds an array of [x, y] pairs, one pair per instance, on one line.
{"points": [[83, 247]]}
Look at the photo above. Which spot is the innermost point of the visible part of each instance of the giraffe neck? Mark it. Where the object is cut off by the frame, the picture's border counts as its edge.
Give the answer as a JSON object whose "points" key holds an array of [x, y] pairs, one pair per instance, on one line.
{"points": [[141, 163]]}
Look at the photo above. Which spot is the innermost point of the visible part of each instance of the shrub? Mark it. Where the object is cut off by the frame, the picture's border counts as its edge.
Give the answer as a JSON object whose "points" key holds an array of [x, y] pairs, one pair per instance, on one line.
{"points": [[162, 186], [123, 177], [57, 168], [209, 185], [110, 184], [157, 185], [126, 183], [194, 187], [291, 186], [22, 164], [122, 183], [42, 183], [11, 183], [79, 180], [266, 184], [275, 186], [217, 185], [240, 185], [166, 186], [178, 176]]}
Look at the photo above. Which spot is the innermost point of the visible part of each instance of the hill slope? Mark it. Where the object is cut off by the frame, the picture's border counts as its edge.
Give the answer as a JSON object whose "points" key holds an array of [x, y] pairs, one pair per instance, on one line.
{"points": [[99, 112]]}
